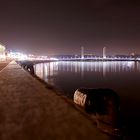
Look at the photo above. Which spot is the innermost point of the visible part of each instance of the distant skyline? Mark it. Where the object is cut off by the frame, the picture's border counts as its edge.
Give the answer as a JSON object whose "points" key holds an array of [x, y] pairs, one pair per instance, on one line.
{"points": [[51, 27]]}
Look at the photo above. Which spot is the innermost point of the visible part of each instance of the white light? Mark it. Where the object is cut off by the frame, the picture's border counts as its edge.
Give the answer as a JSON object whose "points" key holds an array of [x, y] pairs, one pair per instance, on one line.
{"points": [[52, 58]]}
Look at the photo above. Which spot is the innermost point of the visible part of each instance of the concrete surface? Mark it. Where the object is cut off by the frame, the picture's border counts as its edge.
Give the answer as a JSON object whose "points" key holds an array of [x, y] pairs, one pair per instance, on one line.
{"points": [[3, 64], [30, 111]]}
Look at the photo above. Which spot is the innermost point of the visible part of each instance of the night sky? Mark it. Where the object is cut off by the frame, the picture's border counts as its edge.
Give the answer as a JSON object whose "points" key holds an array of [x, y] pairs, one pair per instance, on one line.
{"points": [[47, 27]]}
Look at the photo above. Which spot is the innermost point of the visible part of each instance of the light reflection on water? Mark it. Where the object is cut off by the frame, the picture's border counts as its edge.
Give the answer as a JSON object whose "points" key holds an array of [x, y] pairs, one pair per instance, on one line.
{"points": [[53, 68], [91, 73], [121, 76]]}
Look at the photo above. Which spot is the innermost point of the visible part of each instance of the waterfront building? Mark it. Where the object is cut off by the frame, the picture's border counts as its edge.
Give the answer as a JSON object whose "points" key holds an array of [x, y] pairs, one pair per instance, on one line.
{"points": [[2, 52]]}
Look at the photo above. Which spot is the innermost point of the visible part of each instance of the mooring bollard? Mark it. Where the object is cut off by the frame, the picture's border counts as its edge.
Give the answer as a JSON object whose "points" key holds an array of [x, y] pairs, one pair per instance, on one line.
{"points": [[80, 98], [27, 65], [103, 103]]}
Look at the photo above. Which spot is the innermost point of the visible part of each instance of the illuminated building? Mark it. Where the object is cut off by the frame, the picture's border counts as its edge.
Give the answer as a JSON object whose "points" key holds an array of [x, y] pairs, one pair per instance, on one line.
{"points": [[2, 52]]}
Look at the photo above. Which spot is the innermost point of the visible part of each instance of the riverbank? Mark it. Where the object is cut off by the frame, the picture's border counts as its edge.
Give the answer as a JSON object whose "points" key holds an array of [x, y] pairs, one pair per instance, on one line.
{"points": [[29, 110], [81, 60]]}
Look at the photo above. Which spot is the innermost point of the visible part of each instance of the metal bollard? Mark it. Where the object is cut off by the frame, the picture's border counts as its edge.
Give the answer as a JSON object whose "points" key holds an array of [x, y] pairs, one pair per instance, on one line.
{"points": [[27, 65], [103, 103]]}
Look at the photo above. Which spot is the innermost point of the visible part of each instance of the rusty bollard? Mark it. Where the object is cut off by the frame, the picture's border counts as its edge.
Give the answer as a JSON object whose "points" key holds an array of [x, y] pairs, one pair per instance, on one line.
{"points": [[104, 104], [27, 65]]}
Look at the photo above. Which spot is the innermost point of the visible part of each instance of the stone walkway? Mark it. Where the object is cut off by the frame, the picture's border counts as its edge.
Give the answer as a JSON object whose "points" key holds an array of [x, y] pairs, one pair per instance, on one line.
{"points": [[29, 111], [3, 64]]}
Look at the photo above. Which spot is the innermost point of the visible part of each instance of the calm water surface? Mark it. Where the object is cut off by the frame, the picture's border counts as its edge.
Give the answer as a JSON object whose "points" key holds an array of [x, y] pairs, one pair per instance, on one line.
{"points": [[122, 77]]}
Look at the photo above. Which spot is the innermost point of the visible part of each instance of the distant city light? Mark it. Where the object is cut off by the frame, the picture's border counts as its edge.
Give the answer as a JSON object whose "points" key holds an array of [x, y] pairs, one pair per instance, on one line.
{"points": [[52, 58], [21, 56], [8, 55], [17, 56]]}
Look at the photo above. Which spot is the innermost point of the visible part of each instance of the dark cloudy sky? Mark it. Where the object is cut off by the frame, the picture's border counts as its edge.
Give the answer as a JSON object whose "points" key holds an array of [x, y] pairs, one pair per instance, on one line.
{"points": [[63, 26]]}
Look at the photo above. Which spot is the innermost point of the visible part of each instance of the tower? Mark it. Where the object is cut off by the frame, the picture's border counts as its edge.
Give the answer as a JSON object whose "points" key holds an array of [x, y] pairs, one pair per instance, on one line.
{"points": [[104, 52], [82, 52]]}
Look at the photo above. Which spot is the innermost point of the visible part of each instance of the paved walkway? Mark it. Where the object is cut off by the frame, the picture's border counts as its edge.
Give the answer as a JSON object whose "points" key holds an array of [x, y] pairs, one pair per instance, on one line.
{"points": [[3, 64], [29, 111]]}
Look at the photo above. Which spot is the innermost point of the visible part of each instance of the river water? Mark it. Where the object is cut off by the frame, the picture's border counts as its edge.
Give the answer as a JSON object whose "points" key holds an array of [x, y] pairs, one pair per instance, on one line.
{"points": [[121, 76]]}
